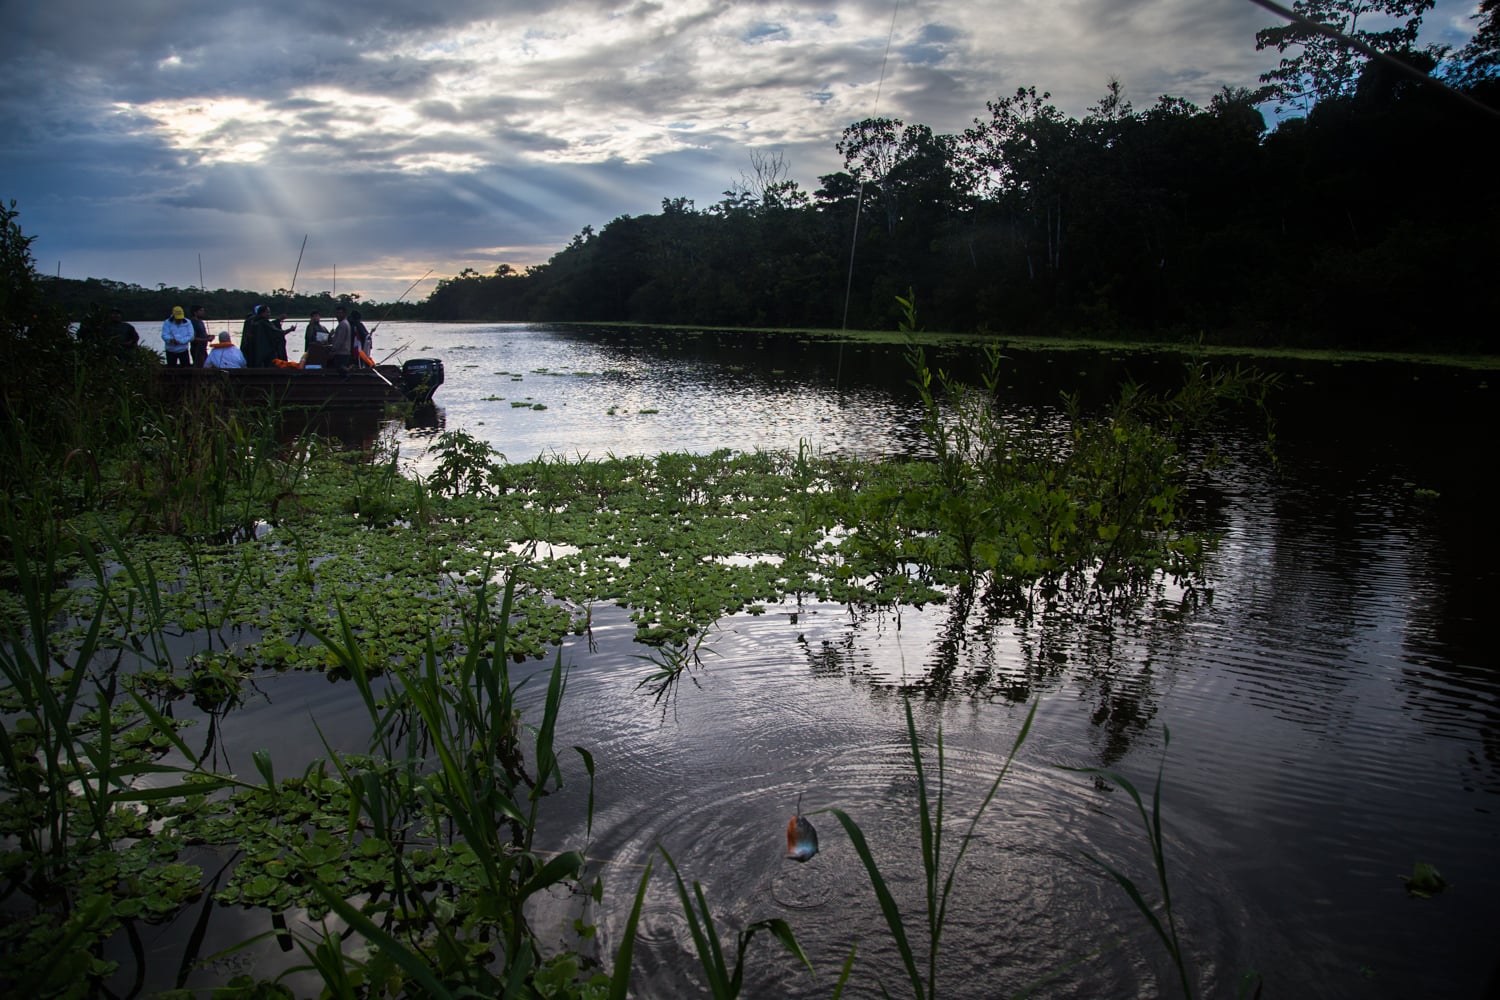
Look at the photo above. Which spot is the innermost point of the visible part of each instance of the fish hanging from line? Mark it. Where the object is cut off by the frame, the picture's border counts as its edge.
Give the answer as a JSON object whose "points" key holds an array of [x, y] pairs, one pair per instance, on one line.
{"points": [[801, 838]]}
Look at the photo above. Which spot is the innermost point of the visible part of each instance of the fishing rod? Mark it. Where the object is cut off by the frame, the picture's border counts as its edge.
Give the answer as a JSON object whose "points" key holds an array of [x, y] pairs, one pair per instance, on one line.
{"points": [[395, 352], [403, 347], [203, 293], [404, 294], [295, 271], [859, 204]]}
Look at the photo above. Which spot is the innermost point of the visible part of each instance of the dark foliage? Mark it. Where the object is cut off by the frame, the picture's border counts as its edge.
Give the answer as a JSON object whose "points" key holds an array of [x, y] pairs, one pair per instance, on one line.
{"points": [[54, 386], [1369, 223], [77, 298]]}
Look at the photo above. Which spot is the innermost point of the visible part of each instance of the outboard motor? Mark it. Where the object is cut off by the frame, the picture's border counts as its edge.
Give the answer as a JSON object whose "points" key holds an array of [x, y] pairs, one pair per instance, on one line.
{"points": [[420, 377]]}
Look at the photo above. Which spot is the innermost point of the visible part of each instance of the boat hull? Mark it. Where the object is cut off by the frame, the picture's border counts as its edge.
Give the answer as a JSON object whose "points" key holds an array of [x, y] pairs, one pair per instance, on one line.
{"points": [[322, 388]]}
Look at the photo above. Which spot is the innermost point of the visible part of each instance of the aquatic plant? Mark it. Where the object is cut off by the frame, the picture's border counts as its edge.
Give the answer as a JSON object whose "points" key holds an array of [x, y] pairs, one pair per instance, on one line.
{"points": [[939, 884], [1095, 507], [469, 786], [74, 805], [1425, 881], [1165, 926], [465, 465], [725, 983], [424, 844], [673, 660]]}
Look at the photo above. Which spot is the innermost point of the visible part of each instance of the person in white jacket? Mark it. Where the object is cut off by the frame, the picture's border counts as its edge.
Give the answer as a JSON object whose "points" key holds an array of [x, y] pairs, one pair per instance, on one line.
{"points": [[177, 334], [224, 354]]}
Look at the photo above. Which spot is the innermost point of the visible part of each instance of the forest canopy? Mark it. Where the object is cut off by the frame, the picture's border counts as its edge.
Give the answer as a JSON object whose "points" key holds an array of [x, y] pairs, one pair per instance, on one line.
{"points": [[1366, 218]]}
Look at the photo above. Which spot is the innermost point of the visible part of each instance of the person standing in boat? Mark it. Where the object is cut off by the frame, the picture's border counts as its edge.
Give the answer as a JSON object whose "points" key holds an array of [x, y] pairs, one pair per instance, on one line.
{"points": [[224, 354], [177, 335], [314, 339], [199, 348], [118, 334], [341, 343], [359, 339], [267, 339], [247, 334]]}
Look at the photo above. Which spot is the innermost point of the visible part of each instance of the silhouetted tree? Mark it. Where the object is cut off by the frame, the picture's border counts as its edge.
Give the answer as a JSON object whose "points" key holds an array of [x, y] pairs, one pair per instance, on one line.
{"points": [[1324, 66]]}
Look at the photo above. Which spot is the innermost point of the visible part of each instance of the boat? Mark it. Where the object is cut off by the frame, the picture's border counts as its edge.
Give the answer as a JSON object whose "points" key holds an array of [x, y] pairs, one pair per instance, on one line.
{"points": [[310, 386]]}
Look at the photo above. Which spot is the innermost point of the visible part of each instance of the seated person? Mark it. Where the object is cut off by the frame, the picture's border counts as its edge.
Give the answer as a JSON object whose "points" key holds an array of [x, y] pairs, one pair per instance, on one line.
{"points": [[224, 354]]}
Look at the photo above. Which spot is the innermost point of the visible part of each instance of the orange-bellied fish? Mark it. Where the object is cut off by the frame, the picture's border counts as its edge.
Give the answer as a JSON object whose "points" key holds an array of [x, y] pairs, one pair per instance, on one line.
{"points": [[801, 838]]}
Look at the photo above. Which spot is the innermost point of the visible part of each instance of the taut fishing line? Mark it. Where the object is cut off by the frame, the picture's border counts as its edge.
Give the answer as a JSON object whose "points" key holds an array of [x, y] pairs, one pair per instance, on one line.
{"points": [[859, 204]]}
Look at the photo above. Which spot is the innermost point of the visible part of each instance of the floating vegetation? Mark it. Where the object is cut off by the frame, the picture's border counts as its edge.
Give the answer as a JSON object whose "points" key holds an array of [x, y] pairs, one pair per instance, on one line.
{"points": [[1424, 882], [257, 555]]}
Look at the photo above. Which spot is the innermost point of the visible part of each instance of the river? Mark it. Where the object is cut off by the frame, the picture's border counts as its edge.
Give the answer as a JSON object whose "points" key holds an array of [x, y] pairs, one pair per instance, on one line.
{"points": [[1332, 699]]}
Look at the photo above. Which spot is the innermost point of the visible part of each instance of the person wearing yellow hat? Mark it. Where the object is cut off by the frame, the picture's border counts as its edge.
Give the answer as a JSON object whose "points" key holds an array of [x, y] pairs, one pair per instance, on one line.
{"points": [[177, 334]]}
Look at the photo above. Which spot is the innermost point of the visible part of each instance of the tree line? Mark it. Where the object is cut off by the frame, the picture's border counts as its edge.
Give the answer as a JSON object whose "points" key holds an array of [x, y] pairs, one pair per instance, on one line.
{"points": [[1366, 218], [87, 298]]}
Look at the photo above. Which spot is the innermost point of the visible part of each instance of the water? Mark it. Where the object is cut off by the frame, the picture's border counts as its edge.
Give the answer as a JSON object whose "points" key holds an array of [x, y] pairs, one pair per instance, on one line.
{"points": [[1332, 703]]}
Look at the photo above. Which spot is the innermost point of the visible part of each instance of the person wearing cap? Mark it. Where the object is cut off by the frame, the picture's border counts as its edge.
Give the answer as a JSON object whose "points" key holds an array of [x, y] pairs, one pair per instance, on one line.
{"points": [[199, 347], [224, 354], [177, 335]]}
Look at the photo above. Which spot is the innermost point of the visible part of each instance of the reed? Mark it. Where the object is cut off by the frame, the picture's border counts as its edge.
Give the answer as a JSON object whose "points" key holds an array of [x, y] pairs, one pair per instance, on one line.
{"points": [[456, 777], [79, 794], [939, 883], [724, 982], [1164, 926]]}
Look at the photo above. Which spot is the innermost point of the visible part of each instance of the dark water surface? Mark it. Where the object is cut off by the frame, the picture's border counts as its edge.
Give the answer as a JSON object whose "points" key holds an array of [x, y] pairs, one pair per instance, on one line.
{"points": [[1333, 703]]}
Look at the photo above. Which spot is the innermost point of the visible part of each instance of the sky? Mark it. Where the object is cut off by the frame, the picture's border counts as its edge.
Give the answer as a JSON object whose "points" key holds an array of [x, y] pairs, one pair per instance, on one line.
{"points": [[143, 140]]}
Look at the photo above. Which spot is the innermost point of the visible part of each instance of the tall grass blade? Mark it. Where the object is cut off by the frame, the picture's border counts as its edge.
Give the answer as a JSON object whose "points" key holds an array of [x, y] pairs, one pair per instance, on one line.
{"points": [[887, 902], [1166, 931], [619, 980], [414, 965]]}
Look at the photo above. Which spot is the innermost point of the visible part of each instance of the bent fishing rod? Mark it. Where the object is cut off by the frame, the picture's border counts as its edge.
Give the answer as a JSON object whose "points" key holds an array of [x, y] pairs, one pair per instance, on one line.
{"points": [[393, 305], [383, 320]]}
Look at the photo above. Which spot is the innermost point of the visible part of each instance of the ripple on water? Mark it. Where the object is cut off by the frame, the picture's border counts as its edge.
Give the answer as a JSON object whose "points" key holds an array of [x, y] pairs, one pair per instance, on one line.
{"points": [[1332, 708]]}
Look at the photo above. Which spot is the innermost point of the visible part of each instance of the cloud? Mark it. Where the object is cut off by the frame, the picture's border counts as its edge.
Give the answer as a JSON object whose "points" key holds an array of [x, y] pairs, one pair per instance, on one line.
{"points": [[136, 134]]}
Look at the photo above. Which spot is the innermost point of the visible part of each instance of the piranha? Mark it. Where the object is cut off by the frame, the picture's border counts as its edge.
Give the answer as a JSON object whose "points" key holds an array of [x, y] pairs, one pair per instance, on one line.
{"points": [[801, 838]]}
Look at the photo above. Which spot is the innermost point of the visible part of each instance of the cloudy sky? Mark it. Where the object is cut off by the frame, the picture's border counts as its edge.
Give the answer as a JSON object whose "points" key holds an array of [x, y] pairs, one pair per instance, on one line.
{"points": [[138, 136]]}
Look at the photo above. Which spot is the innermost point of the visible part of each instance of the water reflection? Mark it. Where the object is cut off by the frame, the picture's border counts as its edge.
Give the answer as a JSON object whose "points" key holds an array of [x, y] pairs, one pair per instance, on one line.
{"points": [[1332, 697]]}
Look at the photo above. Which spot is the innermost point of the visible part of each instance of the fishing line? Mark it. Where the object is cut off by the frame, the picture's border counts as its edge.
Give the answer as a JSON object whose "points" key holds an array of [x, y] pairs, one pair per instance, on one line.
{"points": [[404, 294], [1374, 53], [860, 202]]}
